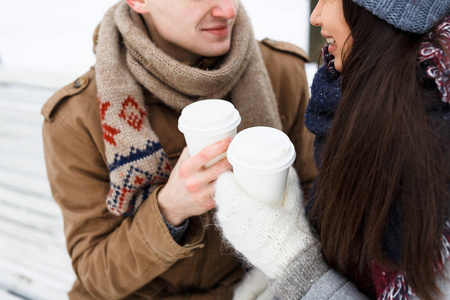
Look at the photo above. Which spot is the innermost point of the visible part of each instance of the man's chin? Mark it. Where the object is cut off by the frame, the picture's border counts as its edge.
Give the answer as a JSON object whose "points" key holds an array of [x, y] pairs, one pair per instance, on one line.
{"points": [[216, 50]]}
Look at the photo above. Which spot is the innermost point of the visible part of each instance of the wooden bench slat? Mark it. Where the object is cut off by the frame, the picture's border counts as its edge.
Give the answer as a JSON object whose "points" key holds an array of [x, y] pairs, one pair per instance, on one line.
{"points": [[10, 112], [26, 183], [17, 128], [24, 164], [29, 218], [20, 282], [49, 262], [45, 206], [21, 147], [31, 98], [31, 234], [4, 295]]}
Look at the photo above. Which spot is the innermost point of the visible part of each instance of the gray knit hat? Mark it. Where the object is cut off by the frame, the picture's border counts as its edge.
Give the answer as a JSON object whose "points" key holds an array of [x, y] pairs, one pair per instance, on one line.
{"points": [[416, 16]]}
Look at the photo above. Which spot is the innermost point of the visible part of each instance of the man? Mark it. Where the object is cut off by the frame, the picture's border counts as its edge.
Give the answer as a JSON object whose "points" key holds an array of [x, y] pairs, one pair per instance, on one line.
{"points": [[111, 140]]}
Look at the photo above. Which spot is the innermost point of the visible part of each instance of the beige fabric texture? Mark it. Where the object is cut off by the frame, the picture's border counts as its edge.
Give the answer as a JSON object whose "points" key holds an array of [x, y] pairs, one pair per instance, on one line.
{"points": [[128, 60]]}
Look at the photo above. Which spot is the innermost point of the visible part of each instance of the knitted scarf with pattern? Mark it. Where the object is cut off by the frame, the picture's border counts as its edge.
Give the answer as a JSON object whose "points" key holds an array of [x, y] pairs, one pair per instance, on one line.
{"points": [[128, 62]]}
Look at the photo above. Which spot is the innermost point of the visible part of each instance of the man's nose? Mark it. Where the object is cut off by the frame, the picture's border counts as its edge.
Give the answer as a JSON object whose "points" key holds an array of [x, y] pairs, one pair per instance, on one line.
{"points": [[226, 9]]}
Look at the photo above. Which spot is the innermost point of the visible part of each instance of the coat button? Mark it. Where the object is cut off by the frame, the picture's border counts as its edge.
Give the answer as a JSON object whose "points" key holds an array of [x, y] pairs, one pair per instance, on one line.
{"points": [[79, 82]]}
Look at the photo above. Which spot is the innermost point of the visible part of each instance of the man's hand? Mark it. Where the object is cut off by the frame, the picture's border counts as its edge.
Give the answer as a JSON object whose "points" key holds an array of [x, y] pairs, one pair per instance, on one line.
{"points": [[190, 189]]}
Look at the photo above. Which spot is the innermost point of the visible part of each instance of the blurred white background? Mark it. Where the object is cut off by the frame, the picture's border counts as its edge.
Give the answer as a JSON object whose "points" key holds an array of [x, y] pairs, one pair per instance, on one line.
{"points": [[49, 42]]}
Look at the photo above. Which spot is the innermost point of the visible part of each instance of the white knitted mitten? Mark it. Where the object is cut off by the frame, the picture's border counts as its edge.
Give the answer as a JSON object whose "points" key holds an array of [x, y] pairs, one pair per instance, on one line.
{"points": [[269, 237], [253, 286]]}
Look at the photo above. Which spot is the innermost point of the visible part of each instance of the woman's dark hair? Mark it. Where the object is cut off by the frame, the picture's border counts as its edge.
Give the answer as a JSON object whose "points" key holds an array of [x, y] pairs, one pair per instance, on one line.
{"points": [[384, 151]]}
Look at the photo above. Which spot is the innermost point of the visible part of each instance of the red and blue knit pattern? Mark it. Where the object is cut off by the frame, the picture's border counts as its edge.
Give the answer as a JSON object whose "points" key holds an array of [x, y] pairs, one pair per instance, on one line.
{"points": [[434, 59], [136, 160], [137, 184]]}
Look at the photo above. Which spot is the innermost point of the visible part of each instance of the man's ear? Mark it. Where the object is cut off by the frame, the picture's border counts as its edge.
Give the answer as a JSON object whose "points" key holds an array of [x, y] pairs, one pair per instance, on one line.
{"points": [[139, 6]]}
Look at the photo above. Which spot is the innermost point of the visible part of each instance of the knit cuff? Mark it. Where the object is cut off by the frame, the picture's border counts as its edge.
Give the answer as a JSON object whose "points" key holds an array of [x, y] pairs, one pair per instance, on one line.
{"points": [[177, 232], [305, 269]]}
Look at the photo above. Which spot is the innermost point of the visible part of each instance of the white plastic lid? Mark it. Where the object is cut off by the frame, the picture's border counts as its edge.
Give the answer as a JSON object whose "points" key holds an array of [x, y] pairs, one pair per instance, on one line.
{"points": [[265, 150], [208, 117]]}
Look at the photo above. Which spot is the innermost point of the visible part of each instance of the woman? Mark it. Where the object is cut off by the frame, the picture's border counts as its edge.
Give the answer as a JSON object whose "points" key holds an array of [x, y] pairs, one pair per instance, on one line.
{"points": [[376, 224]]}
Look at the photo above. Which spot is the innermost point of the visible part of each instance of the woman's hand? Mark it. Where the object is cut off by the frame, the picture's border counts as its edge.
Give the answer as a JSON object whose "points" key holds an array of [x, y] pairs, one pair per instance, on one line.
{"points": [[269, 237], [190, 187]]}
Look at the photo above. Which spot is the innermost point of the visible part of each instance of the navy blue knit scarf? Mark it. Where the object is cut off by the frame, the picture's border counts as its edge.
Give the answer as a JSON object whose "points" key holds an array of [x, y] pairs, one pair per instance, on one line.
{"points": [[325, 97]]}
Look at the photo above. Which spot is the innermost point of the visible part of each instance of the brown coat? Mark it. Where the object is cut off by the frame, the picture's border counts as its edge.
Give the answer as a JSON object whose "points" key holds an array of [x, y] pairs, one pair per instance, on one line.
{"points": [[135, 257]]}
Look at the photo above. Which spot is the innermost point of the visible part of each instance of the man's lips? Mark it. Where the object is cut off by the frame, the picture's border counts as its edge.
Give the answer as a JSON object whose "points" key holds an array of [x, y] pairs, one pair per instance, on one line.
{"points": [[220, 30], [218, 27]]}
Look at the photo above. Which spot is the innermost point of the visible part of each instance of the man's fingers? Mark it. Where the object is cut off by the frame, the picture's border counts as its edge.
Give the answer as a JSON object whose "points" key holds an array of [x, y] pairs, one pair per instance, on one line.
{"points": [[213, 172], [199, 180], [184, 155], [198, 161]]}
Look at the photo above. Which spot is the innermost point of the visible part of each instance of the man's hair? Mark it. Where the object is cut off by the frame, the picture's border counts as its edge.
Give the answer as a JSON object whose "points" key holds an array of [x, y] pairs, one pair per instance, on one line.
{"points": [[384, 151]]}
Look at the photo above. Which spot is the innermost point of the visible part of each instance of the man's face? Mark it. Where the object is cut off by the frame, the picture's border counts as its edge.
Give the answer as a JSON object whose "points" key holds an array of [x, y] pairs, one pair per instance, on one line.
{"points": [[186, 29]]}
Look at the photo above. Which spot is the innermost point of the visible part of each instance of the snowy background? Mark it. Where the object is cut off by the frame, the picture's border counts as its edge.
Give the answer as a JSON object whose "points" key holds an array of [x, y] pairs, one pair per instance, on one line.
{"points": [[49, 42]]}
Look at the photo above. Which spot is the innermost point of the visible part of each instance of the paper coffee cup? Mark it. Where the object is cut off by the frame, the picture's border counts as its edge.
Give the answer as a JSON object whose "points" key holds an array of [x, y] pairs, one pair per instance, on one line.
{"points": [[206, 122], [261, 157]]}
